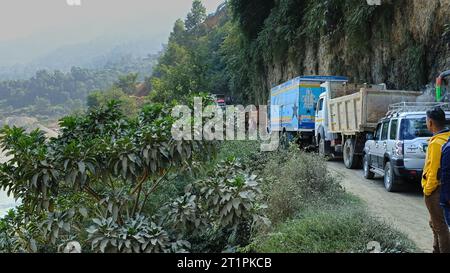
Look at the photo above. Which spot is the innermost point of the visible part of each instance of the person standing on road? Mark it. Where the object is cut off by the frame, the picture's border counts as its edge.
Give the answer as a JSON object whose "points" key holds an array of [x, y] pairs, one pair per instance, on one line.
{"points": [[430, 180], [445, 181]]}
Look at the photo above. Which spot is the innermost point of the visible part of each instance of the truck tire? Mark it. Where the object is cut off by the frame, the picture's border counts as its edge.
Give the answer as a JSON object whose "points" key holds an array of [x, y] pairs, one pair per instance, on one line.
{"points": [[392, 182], [366, 168], [322, 148], [351, 161], [284, 141]]}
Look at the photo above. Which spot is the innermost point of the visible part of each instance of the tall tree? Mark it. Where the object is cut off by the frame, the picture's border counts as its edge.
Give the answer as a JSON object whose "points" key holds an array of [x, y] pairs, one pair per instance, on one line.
{"points": [[127, 83], [196, 16], [178, 33]]}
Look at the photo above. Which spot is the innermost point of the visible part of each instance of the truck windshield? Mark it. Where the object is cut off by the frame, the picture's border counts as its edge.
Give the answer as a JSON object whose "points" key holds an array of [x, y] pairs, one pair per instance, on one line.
{"points": [[414, 128]]}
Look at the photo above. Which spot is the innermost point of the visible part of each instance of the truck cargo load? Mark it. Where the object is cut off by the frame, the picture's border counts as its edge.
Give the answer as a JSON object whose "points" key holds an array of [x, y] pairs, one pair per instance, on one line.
{"points": [[362, 110]]}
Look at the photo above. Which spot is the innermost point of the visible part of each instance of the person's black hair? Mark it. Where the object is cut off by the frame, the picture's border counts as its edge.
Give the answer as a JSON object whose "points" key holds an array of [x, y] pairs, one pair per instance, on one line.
{"points": [[437, 115]]}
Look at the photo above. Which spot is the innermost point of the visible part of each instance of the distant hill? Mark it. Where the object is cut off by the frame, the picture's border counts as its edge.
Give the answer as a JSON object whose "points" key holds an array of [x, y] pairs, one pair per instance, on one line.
{"points": [[97, 54], [53, 94]]}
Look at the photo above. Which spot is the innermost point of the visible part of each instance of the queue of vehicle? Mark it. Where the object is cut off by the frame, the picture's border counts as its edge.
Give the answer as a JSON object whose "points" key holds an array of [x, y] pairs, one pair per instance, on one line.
{"points": [[382, 131]]}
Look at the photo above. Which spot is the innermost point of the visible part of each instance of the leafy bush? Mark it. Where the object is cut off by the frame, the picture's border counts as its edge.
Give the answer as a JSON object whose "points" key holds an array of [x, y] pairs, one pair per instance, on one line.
{"points": [[320, 18], [97, 184], [247, 152], [99, 98], [18, 234], [294, 180], [115, 162], [347, 229], [136, 235], [220, 209]]}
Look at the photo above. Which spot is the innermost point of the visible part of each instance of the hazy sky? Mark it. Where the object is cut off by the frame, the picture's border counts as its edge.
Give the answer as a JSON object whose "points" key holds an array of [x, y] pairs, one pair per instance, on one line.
{"points": [[47, 24]]}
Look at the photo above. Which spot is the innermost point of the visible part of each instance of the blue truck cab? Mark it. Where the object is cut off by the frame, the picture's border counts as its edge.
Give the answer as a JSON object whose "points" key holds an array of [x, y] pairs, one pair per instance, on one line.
{"points": [[292, 105]]}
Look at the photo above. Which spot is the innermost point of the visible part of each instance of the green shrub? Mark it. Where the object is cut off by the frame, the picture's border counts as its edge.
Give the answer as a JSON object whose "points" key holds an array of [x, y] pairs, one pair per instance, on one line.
{"points": [[294, 180], [219, 210], [248, 153], [344, 230]]}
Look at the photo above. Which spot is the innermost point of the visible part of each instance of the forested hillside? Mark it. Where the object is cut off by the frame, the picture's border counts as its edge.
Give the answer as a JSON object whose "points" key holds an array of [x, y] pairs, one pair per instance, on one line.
{"points": [[249, 46], [404, 43], [50, 95]]}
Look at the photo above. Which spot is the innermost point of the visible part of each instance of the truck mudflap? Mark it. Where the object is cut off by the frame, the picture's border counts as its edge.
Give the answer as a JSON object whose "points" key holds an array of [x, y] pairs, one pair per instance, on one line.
{"points": [[359, 146]]}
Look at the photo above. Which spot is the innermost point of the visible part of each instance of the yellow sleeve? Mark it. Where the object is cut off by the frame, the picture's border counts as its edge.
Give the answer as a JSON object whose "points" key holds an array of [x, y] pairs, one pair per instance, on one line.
{"points": [[434, 160]]}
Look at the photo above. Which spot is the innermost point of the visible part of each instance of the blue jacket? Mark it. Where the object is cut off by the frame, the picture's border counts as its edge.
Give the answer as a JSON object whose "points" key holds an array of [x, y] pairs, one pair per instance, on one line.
{"points": [[444, 174]]}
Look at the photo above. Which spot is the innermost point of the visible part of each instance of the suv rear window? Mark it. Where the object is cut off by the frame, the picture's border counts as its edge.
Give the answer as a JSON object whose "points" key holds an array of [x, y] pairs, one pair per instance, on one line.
{"points": [[413, 128]]}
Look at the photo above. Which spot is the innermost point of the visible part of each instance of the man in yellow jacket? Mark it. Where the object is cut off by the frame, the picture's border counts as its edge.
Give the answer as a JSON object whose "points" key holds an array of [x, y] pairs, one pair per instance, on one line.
{"points": [[430, 180]]}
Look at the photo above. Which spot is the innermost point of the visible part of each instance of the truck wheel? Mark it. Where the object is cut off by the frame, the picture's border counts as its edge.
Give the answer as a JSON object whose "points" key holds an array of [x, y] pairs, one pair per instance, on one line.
{"points": [[366, 167], [391, 181], [351, 161], [322, 152], [284, 141]]}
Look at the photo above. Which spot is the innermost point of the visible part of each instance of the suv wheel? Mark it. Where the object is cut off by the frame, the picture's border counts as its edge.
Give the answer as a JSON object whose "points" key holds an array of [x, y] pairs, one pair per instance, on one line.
{"points": [[366, 167], [391, 181]]}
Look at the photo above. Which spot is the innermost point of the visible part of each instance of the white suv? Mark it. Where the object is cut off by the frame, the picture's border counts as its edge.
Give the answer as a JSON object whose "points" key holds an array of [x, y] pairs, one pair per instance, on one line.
{"points": [[398, 147]]}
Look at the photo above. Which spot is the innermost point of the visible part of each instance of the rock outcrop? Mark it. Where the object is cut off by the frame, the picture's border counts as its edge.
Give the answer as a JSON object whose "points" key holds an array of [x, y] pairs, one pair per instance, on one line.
{"points": [[406, 49]]}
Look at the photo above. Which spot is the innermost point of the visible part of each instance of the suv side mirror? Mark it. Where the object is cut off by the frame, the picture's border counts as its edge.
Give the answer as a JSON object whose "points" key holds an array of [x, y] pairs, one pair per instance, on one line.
{"points": [[369, 136]]}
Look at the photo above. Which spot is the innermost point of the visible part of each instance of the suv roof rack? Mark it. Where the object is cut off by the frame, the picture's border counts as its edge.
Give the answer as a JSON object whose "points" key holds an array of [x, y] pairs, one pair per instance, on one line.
{"points": [[402, 107]]}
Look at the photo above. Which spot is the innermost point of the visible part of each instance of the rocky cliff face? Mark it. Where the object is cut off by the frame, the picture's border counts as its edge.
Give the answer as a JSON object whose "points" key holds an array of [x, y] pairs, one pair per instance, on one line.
{"points": [[406, 48]]}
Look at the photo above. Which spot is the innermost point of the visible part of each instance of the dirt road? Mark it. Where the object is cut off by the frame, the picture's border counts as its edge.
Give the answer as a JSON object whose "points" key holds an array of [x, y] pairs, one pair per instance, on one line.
{"points": [[405, 211]]}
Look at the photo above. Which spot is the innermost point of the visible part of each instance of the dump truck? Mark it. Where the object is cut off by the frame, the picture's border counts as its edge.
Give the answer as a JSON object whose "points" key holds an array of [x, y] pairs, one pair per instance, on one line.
{"points": [[292, 107], [347, 113]]}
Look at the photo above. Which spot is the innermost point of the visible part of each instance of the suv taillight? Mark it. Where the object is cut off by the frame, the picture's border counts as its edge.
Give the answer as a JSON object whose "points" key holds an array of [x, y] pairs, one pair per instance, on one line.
{"points": [[398, 149]]}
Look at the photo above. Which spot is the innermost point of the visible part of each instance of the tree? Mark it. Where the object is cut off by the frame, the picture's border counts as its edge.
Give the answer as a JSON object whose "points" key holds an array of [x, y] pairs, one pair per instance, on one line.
{"points": [[101, 98], [191, 61], [174, 76], [196, 16], [178, 33], [127, 83], [251, 15], [110, 164]]}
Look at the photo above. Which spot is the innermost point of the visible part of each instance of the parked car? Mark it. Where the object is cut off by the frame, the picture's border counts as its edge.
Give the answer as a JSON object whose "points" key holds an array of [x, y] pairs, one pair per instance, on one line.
{"points": [[398, 147]]}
